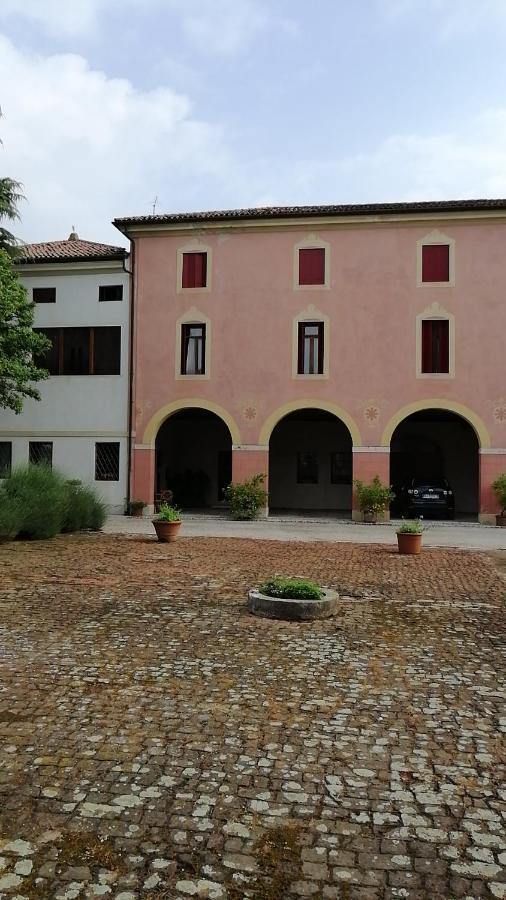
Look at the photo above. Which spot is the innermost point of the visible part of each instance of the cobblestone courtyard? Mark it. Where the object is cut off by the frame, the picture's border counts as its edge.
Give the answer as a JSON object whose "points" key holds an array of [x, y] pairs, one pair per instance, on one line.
{"points": [[156, 741]]}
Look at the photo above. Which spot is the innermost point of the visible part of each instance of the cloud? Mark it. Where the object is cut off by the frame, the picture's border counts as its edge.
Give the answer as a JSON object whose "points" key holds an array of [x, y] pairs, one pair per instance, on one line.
{"points": [[450, 17], [88, 147], [214, 26]]}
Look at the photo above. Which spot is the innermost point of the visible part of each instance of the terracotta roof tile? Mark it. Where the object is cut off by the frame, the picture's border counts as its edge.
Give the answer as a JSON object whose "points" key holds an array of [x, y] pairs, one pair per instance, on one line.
{"points": [[291, 212], [71, 250]]}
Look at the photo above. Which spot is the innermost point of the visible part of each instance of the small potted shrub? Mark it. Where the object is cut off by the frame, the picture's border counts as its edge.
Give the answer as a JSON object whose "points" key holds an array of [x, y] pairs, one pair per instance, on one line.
{"points": [[136, 508], [499, 489], [167, 523], [373, 498], [409, 538], [246, 498]]}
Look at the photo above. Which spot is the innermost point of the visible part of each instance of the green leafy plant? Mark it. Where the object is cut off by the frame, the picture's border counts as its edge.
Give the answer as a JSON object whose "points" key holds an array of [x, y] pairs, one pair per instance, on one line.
{"points": [[246, 498], [374, 497], [499, 489], [414, 527], [11, 517], [136, 505], [85, 509], [43, 495], [291, 588], [168, 513]]}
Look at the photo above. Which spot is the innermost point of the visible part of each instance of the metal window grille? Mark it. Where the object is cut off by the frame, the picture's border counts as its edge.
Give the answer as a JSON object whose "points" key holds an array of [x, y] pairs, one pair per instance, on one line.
{"points": [[40, 453], [5, 458], [107, 462]]}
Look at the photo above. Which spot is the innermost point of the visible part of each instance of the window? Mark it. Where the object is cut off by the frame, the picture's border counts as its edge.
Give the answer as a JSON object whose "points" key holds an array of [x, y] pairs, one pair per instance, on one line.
{"points": [[82, 351], [307, 468], [312, 265], [40, 453], [194, 270], [107, 462], [435, 262], [435, 346], [44, 295], [193, 349], [310, 349], [110, 292], [5, 458], [341, 467]]}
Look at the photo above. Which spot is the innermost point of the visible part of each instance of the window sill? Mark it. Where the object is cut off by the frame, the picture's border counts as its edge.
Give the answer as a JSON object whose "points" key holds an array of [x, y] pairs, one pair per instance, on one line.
{"points": [[437, 284], [320, 377], [204, 377], [435, 375]]}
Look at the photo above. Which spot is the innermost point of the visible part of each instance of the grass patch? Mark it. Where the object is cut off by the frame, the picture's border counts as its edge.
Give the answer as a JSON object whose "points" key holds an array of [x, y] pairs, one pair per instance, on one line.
{"points": [[291, 588]]}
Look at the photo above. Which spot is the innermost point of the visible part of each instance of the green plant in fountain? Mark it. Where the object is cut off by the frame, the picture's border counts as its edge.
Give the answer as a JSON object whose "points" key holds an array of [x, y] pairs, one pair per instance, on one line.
{"points": [[373, 498], [168, 513], [291, 588], [246, 498], [414, 527]]}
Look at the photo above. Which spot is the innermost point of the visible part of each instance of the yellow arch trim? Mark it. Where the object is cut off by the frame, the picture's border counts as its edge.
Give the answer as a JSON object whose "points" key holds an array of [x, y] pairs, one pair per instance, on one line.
{"points": [[282, 411], [151, 430], [458, 408]]}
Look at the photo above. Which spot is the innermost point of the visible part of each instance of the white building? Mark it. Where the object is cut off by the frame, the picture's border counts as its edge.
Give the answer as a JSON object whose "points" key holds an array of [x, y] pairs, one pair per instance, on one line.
{"points": [[80, 425]]}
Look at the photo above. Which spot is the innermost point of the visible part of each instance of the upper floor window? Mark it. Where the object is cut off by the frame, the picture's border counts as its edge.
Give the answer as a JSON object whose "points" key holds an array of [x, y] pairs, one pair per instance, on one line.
{"points": [[310, 348], [194, 274], [40, 453], [193, 349], [312, 265], [435, 346], [82, 351], [435, 263], [110, 292], [44, 295], [5, 458]]}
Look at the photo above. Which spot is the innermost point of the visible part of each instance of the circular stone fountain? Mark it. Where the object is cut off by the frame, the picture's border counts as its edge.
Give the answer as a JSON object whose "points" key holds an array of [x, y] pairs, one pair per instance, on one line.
{"points": [[293, 610]]}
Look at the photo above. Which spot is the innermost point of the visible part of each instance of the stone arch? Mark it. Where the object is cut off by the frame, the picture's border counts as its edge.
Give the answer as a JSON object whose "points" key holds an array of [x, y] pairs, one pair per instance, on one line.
{"points": [[296, 405], [164, 412], [459, 409]]}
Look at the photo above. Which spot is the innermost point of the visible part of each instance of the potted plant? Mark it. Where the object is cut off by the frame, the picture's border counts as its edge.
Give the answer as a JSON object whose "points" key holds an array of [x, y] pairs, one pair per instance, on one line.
{"points": [[167, 523], [293, 599], [246, 498], [409, 538], [136, 508], [373, 498], [499, 489]]}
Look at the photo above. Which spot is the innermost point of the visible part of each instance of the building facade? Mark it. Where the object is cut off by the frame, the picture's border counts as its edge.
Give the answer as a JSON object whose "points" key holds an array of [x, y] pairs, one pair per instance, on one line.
{"points": [[318, 345], [80, 426]]}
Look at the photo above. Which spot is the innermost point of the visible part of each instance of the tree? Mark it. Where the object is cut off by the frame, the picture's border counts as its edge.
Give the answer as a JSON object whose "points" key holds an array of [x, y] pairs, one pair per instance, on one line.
{"points": [[10, 195], [19, 344]]}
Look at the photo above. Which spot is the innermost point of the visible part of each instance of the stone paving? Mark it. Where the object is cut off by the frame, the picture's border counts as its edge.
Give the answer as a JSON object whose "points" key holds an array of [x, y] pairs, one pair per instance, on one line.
{"points": [[156, 741]]}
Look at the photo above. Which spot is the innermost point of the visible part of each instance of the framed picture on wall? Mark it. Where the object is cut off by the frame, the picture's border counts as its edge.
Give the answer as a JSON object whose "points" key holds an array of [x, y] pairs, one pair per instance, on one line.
{"points": [[307, 467], [341, 467]]}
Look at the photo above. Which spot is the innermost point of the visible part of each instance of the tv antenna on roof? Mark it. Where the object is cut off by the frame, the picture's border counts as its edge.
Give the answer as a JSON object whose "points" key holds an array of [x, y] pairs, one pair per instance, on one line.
{"points": [[154, 202]]}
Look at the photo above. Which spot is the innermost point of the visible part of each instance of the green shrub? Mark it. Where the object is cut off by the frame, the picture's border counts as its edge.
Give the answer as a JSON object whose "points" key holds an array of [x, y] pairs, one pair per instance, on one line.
{"points": [[42, 496], [374, 497], [291, 588], [410, 528], [246, 498], [85, 509], [167, 513], [11, 517], [499, 489]]}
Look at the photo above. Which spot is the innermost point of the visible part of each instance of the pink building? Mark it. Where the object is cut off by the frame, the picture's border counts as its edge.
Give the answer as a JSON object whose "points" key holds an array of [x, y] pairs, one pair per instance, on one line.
{"points": [[318, 345]]}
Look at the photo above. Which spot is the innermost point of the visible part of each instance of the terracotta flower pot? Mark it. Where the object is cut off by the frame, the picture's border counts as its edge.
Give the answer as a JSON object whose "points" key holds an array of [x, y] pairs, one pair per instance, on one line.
{"points": [[166, 532], [371, 518], [136, 511], [500, 521], [410, 544]]}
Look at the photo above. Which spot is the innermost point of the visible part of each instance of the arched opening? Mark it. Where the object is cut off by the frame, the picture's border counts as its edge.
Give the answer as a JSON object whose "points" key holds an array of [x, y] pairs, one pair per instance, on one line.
{"points": [[310, 463], [438, 449], [193, 458]]}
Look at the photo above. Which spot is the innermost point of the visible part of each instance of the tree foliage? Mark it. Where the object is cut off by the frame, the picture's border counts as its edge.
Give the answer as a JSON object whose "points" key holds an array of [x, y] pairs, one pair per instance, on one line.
{"points": [[10, 195], [19, 344]]}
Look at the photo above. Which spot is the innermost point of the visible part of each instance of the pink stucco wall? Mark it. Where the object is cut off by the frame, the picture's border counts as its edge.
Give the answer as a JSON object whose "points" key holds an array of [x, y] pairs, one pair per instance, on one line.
{"points": [[372, 306]]}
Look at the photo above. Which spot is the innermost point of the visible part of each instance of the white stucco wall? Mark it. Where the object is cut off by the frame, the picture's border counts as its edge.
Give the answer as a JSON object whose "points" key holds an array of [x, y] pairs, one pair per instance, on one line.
{"points": [[76, 411]]}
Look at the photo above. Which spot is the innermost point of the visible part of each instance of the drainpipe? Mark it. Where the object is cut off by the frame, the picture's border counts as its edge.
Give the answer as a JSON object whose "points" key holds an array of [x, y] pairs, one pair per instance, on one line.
{"points": [[130, 370]]}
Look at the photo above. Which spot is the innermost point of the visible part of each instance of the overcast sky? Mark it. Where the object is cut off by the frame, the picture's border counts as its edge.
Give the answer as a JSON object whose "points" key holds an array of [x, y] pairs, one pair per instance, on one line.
{"points": [[207, 104]]}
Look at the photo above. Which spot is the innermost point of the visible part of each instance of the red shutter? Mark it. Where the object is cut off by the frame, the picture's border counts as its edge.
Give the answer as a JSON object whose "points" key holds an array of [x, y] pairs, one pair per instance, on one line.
{"points": [[435, 262], [443, 343], [426, 345], [194, 270], [312, 265]]}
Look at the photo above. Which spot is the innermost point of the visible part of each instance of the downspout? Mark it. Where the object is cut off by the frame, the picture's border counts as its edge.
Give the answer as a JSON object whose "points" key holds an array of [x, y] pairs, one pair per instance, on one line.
{"points": [[130, 371]]}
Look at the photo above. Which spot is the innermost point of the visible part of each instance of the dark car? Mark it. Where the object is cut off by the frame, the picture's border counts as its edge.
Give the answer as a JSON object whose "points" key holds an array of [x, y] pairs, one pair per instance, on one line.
{"points": [[425, 496]]}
